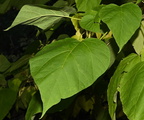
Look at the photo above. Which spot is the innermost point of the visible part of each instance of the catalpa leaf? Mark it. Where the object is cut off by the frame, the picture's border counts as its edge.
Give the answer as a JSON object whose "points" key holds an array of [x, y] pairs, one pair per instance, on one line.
{"points": [[40, 17], [122, 20], [138, 42], [132, 92], [91, 23], [86, 5], [68, 66], [125, 66]]}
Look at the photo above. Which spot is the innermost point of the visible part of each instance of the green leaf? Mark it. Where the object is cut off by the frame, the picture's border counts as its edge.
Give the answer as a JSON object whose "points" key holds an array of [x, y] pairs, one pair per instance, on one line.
{"points": [[138, 43], [40, 17], [14, 84], [4, 63], [68, 66], [60, 3], [7, 99], [35, 106], [122, 20], [86, 5], [91, 23], [125, 66], [132, 92]]}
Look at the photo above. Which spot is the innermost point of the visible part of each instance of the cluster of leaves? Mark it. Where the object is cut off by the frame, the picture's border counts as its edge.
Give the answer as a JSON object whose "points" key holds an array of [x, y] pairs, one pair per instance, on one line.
{"points": [[103, 61]]}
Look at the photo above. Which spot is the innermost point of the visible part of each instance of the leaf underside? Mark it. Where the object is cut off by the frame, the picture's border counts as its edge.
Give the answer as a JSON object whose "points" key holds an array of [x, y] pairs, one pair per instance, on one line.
{"points": [[40, 17]]}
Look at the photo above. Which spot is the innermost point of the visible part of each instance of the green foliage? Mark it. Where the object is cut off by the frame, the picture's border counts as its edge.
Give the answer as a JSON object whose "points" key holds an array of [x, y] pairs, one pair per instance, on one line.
{"points": [[131, 92], [69, 62], [92, 53], [6, 103], [118, 18], [138, 43], [44, 18], [90, 23], [4, 63], [86, 5], [35, 106], [120, 73]]}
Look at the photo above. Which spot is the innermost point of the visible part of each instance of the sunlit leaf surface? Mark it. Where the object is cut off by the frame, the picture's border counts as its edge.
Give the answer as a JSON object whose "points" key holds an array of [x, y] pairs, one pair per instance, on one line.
{"points": [[68, 66]]}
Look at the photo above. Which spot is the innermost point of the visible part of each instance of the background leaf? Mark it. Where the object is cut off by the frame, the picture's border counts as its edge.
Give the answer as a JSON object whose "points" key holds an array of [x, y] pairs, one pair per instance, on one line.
{"points": [[3, 82], [91, 23], [4, 63], [86, 5], [19, 3], [7, 99], [5, 5], [68, 66], [60, 3], [138, 1], [125, 66], [19, 63], [122, 20], [35, 106], [138, 43], [132, 92], [40, 17]]}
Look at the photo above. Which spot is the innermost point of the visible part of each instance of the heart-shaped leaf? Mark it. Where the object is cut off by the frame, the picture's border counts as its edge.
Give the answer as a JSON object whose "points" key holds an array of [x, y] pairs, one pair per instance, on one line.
{"points": [[122, 20], [132, 92], [68, 66], [91, 23], [125, 66]]}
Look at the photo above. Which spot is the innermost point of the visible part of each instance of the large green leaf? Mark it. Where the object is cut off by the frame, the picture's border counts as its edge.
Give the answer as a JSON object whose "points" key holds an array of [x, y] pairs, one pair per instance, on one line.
{"points": [[40, 17], [86, 5], [122, 20], [125, 66], [68, 66], [132, 92]]}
